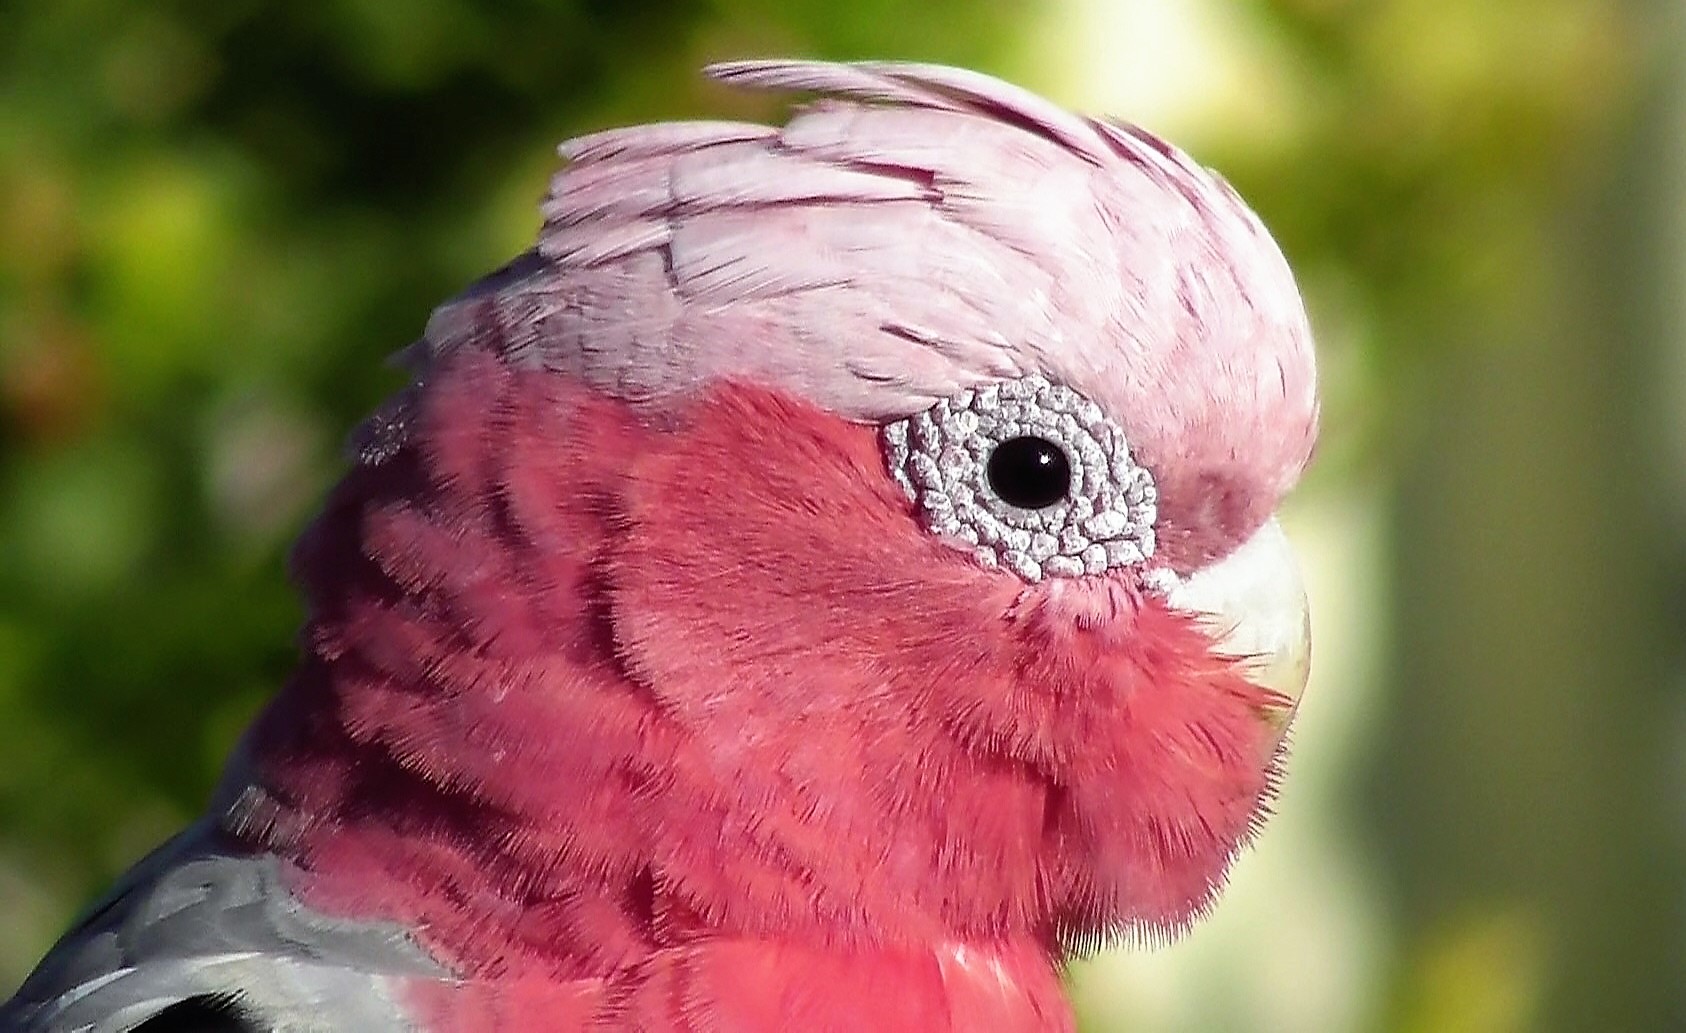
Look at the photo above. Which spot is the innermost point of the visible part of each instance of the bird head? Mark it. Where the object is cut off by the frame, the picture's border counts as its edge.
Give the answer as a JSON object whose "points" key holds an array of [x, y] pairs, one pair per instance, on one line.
{"points": [[859, 528]]}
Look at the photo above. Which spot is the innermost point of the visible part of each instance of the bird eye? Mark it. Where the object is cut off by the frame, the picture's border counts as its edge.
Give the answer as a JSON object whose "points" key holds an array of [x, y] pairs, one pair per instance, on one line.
{"points": [[1028, 472], [1028, 475]]}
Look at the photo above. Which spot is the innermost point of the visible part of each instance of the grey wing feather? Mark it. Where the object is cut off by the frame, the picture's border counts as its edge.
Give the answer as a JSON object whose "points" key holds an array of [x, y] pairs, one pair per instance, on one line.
{"points": [[193, 920]]}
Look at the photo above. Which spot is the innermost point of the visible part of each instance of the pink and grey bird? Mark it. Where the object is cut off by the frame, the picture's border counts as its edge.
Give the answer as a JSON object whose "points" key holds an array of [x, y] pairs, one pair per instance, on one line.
{"points": [[826, 583]]}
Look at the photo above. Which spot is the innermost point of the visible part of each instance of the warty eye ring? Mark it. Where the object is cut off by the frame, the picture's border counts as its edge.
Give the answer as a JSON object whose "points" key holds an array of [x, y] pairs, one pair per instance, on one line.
{"points": [[981, 469]]}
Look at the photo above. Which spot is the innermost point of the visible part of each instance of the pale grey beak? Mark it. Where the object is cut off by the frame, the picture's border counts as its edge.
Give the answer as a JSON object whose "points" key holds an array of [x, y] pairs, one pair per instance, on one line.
{"points": [[1255, 603]]}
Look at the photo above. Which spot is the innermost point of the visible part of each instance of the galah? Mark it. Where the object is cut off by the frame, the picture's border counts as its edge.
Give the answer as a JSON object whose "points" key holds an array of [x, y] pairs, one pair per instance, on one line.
{"points": [[827, 583]]}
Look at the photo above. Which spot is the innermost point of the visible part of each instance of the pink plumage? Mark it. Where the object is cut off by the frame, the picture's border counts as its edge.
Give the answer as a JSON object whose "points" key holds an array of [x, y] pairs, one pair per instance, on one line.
{"points": [[639, 691]]}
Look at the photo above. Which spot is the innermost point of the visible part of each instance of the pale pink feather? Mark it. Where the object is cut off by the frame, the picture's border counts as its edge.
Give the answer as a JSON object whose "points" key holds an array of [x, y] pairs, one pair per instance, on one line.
{"points": [[914, 231]]}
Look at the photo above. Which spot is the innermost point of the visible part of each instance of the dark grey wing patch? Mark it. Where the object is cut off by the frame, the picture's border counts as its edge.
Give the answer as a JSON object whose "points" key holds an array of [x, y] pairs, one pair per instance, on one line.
{"points": [[194, 924], [207, 1014]]}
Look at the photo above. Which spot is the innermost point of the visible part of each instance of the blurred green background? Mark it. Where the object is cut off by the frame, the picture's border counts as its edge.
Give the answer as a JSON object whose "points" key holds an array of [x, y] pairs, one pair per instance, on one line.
{"points": [[217, 218]]}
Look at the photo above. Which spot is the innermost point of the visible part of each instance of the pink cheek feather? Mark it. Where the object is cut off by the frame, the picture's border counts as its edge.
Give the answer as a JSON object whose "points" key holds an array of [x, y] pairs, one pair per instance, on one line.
{"points": [[1073, 735], [580, 689]]}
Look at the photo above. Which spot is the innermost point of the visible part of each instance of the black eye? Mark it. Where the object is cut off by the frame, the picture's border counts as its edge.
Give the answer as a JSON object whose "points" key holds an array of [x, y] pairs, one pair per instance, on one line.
{"points": [[1029, 472]]}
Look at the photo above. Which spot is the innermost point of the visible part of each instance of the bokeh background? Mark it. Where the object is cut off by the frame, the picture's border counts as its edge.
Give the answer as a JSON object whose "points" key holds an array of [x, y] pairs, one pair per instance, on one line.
{"points": [[218, 216]]}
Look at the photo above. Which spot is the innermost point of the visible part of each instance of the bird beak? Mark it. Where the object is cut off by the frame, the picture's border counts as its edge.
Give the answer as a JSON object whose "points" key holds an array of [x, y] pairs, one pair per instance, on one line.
{"points": [[1255, 603]]}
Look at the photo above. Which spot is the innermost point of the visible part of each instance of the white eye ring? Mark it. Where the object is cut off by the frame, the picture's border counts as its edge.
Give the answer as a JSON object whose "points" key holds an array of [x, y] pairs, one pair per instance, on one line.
{"points": [[941, 458]]}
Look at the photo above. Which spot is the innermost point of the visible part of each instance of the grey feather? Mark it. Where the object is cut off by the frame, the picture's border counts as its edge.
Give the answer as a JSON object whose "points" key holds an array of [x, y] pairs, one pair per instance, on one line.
{"points": [[191, 920]]}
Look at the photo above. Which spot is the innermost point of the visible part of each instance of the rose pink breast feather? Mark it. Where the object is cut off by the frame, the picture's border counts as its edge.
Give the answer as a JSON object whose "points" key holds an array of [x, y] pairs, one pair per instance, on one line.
{"points": [[552, 761]]}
